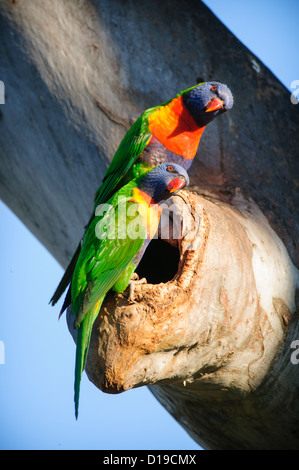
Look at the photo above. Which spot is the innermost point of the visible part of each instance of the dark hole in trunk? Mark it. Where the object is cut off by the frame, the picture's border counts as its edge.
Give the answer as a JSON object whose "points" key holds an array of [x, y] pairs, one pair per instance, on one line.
{"points": [[159, 263]]}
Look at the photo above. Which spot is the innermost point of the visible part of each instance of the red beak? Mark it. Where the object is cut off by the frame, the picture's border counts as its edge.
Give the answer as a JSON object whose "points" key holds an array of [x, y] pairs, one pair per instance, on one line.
{"points": [[176, 184], [214, 104]]}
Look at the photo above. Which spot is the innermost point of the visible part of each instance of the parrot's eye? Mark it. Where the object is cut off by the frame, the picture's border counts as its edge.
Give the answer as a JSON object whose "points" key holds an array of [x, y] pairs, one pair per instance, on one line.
{"points": [[170, 168], [214, 87]]}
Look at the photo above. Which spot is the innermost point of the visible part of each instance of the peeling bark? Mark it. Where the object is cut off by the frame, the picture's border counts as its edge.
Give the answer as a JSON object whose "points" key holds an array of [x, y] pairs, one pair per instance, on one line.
{"points": [[213, 340]]}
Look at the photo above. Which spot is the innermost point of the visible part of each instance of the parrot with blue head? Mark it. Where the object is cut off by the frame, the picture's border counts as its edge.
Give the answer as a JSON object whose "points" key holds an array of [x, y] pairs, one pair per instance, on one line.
{"points": [[107, 262]]}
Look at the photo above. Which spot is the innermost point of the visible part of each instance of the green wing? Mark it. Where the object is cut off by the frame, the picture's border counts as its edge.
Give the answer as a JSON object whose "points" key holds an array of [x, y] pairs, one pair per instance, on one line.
{"points": [[126, 155], [106, 251]]}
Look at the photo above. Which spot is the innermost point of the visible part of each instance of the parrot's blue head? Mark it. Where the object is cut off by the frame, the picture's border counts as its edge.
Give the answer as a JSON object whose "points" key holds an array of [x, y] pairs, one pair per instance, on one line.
{"points": [[207, 100], [163, 181]]}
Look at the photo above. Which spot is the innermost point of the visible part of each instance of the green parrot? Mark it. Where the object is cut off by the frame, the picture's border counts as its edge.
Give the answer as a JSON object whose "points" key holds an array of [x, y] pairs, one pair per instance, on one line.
{"points": [[112, 250], [169, 132]]}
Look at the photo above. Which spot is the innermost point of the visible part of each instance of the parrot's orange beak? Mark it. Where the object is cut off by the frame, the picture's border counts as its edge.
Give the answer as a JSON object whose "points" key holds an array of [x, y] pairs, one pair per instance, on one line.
{"points": [[176, 184], [214, 104]]}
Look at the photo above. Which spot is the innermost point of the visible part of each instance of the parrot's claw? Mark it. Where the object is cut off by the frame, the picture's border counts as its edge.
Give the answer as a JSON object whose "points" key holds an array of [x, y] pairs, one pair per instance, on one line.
{"points": [[133, 282]]}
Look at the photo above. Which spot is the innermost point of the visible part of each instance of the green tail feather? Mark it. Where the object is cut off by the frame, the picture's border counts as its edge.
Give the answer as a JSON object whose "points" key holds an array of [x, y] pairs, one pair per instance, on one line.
{"points": [[83, 340], [67, 277]]}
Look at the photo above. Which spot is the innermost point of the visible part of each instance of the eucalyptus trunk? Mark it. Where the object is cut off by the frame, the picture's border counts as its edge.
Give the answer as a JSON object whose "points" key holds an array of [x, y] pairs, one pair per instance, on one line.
{"points": [[213, 331]]}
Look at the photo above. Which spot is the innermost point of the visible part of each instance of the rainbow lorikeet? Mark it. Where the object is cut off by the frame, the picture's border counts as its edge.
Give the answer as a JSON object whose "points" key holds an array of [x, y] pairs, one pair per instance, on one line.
{"points": [[112, 250], [169, 132]]}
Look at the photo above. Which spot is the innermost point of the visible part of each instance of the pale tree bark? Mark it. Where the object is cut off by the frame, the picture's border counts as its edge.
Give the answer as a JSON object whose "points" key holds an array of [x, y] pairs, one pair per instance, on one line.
{"points": [[212, 331]]}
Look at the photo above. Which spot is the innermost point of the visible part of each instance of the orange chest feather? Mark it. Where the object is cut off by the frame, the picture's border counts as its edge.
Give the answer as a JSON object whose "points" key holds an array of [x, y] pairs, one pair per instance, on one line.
{"points": [[176, 129], [149, 212]]}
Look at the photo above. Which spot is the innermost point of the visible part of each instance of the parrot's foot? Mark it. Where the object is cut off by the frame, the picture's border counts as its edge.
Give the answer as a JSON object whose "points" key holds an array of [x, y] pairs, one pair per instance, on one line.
{"points": [[133, 282]]}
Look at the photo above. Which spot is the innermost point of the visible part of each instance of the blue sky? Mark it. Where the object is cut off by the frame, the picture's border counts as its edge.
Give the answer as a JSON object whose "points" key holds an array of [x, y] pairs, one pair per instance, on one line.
{"points": [[36, 381]]}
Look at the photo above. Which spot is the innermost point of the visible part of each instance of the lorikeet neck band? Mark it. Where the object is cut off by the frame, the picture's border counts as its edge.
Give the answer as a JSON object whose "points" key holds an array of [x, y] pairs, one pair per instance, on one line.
{"points": [[175, 128]]}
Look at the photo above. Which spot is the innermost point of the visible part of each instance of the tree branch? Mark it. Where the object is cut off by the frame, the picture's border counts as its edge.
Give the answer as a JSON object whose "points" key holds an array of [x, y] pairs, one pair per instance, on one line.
{"points": [[217, 349]]}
